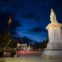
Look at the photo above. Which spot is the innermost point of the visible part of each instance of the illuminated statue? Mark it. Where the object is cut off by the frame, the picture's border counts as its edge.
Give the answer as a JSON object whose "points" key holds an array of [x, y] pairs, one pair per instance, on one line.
{"points": [[53, 17], [54, 47]]}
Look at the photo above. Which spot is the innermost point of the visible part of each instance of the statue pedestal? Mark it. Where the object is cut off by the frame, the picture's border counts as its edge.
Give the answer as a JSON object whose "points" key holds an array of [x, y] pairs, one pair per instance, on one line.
{"points": [[54, 46]]}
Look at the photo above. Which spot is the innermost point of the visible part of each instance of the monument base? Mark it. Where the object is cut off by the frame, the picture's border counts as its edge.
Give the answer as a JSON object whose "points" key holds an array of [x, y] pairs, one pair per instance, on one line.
{"points": [[50, 56]]}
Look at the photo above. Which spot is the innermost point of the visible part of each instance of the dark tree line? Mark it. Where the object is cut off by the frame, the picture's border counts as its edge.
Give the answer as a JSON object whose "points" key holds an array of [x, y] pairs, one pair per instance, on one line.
{"points": [[41, 45], [7, 40]]}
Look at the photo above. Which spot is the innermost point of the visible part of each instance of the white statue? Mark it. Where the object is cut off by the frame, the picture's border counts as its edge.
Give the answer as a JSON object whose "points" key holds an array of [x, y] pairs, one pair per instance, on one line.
{"points": [[53, 17]]}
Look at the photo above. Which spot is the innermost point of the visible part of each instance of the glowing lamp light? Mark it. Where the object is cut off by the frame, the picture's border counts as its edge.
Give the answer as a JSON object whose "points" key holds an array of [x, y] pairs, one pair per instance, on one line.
{"points": [[9, 20]]}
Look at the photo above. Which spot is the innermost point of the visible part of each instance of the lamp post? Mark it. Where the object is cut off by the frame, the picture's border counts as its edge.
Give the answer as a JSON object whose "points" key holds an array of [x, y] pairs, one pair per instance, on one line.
{"points": [[9, 27]]}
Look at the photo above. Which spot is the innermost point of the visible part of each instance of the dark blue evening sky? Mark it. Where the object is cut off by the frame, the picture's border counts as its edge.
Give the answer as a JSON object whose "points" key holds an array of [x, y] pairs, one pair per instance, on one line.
{"points": [[29, 17]]}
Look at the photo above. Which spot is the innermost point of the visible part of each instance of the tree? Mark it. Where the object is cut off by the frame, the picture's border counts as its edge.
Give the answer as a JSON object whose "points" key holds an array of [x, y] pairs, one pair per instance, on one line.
{"points": [[7, 40]]}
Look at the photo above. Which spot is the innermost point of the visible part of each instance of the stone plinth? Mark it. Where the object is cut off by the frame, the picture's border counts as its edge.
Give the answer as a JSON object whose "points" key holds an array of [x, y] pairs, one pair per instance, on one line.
{"points": [[54, 46]]}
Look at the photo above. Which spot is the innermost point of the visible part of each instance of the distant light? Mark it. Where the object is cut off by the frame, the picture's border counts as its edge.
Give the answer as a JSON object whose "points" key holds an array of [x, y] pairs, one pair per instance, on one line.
{"points": [[9, 39]]}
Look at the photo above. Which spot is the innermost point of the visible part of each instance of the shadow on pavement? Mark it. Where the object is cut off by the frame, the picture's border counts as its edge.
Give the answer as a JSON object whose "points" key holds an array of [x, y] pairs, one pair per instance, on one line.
{"points": [[2, 60]]}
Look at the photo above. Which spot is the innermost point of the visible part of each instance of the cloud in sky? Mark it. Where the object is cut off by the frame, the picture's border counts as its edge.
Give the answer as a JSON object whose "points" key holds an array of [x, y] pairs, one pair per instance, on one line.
{"points": [[37, 29]]}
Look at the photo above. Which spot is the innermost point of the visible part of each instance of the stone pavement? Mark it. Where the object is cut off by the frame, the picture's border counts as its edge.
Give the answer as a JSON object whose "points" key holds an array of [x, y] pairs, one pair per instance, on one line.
{"points": [[27, 58]]}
